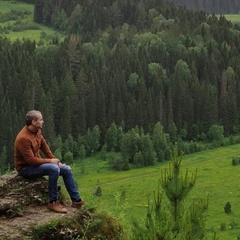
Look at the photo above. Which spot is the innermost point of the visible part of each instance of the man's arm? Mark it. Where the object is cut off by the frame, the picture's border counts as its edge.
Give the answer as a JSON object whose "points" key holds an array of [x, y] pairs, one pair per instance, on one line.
{"points": [[24, 147], [48, 153]]}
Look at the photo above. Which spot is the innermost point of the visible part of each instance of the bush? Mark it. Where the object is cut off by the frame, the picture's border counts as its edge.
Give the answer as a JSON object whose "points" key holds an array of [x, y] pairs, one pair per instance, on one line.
{"points": [[117, 163], [222, 226], [68, 157], [98, 192], [227, 208], [58, 153], [235, 160]]}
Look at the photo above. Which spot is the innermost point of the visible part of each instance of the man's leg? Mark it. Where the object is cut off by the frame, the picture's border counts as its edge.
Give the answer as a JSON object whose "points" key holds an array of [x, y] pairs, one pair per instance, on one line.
{"points": [[47, 169], [52, 171], [66, 173]]}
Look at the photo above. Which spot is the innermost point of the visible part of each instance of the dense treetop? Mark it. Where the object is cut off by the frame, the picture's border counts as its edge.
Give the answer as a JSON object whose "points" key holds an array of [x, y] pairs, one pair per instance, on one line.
{"points": [[125, 62]]}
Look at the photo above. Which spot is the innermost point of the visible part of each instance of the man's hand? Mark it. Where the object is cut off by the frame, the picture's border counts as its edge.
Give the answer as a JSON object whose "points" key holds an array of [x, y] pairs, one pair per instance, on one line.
{"points": [[56, 161]]}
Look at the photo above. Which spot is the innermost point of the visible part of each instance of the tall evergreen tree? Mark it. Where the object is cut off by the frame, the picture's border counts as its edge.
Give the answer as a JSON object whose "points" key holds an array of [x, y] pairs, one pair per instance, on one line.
{"points": [[65, 124], [159, 140], [46, 107]]}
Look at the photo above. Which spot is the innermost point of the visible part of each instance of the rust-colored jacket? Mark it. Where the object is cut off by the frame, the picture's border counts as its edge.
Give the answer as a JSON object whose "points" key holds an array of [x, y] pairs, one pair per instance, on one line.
{"points": [[27, 149]]}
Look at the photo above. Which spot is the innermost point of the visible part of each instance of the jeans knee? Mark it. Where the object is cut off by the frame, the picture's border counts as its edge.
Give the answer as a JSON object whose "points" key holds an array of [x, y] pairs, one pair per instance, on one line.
{"points": [[65, 170], [54, 169]]}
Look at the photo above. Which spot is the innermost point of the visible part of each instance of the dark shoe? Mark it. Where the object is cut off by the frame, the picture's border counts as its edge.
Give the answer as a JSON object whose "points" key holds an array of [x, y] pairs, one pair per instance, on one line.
{"points": [[78, 204], [56, 207]]}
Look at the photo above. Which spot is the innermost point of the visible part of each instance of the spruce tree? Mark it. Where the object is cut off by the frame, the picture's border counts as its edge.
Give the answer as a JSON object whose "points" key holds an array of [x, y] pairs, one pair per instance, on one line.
{"points": [[176, 221]]}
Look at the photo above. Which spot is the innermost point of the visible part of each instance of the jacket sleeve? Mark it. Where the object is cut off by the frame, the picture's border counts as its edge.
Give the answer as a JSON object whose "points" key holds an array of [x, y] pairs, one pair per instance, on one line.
{"points": [[25, 148]]}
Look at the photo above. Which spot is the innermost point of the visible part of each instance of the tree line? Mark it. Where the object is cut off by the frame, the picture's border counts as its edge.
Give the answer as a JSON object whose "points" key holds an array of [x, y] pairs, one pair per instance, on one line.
{"points": [[153, 62]]}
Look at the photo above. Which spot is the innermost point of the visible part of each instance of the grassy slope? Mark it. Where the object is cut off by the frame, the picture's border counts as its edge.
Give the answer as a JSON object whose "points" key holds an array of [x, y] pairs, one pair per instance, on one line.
{"points": [[125, 194], [8, 5], [235, 18]]}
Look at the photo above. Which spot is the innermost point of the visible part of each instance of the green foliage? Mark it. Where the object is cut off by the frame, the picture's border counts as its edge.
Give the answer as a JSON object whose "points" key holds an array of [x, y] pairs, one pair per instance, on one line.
{"points": [[60, 20], [173, 221], [133, 69], [58, 153], [111, 137], [134, 83], [91, 140], [235, 160], [160, 142], [222, 226], [16, 22], [118, 163], [131, 184], [98, 191], [84, 226], [82, 152], [216, 134], [76, 20], [129, 146], [227, 208], [68, 157]]}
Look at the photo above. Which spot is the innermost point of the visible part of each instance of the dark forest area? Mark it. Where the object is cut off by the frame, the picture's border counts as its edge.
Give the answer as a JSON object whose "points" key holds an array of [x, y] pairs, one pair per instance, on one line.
{"points": [[131, 63]]}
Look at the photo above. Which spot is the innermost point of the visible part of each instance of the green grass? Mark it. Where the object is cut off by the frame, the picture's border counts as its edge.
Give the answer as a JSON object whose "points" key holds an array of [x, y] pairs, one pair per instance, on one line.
{"points": [[235, 18], [7, 5], [125, 194], [41, 35]]}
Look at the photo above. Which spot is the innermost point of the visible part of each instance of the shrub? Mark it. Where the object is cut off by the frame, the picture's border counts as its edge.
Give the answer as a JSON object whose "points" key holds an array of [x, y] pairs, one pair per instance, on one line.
{"points": [[98, 191], [117, 163], [83, 226], [235, 160], [68, 157], [227, 208], [222, 226], [58, 153]]}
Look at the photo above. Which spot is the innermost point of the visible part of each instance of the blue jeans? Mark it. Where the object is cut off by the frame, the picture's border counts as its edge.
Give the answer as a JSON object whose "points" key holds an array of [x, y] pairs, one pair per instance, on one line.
{"points": [[53, 171]]}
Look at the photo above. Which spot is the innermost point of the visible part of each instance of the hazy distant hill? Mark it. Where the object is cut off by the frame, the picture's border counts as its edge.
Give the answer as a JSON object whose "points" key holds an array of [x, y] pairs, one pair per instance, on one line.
{"points": [[211, 6]]}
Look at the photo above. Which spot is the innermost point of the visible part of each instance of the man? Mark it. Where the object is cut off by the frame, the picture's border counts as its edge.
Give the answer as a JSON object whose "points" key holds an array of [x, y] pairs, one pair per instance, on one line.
{"points": [[29, 163]]}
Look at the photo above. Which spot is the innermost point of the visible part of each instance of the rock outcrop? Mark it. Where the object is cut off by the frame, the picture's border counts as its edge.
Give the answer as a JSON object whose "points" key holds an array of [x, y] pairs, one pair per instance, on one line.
{"points": [[23, 209]]}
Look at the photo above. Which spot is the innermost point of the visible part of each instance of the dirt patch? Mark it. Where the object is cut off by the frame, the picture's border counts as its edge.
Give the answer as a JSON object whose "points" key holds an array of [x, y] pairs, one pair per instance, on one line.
{"points": [[13, 227], [23, 203]]}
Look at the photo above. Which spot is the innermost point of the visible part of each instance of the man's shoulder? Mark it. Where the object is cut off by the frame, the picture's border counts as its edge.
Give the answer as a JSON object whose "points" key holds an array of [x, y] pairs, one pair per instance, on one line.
{"points": [[23, 133]]}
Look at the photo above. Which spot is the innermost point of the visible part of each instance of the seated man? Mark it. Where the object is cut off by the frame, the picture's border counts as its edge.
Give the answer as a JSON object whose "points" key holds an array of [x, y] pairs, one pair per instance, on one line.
{"points": [[30, 164]]}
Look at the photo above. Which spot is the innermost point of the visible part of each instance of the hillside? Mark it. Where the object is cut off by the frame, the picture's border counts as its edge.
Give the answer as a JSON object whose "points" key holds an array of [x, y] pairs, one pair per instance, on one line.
{"points": [[16, 23], [211, 6], [125, 194]]}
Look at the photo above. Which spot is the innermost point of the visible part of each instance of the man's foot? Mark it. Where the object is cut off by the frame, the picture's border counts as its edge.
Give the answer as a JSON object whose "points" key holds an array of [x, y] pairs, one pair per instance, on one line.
{"points": [[56, 207], [78, 204]]}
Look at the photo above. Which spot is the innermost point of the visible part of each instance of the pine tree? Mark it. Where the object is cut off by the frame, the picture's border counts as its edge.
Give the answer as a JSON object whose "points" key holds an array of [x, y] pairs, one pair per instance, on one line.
{"points": [[46, 108], [65, 126], [173, 221]]}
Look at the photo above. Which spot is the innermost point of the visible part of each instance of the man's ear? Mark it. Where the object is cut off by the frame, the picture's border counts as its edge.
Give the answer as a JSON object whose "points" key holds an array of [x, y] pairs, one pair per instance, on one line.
{"points": [[34, 121]]}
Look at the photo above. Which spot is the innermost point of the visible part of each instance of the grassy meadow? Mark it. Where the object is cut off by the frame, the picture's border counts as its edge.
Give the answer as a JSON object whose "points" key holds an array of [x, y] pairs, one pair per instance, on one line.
{"points": [[23, 26], [234, 18], [125, 194], [6, 5]]}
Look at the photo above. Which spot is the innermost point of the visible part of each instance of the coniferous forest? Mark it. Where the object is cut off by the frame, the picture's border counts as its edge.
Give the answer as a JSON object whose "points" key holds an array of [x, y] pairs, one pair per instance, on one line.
{"points": [[131, 76]]}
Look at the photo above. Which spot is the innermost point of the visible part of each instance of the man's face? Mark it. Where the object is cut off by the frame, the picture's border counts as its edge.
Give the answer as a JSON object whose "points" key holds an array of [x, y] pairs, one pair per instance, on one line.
{"points": [[38, 123]]}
